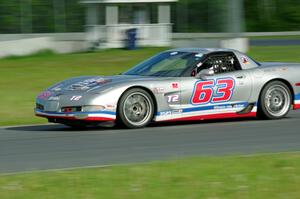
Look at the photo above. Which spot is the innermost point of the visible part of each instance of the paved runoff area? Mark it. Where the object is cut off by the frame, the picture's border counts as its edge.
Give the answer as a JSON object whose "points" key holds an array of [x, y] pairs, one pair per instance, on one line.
{"points": [[46, 147]]}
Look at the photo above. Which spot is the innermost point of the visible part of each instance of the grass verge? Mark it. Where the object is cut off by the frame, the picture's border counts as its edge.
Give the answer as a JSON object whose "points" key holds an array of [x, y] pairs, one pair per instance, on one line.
{"points": [[258, 176], [22, 78], [283, 37]]}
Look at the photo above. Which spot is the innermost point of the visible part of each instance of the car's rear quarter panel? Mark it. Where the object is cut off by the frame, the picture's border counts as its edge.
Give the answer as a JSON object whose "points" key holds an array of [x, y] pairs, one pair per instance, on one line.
{"points": [[285, 72]]}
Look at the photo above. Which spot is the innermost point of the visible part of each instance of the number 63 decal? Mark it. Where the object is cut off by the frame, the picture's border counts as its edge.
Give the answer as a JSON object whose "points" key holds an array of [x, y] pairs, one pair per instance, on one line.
{"points": [[204, 91]]}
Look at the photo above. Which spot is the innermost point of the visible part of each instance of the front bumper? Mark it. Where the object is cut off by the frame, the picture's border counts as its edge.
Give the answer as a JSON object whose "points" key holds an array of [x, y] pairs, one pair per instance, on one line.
{"points": [[297, 102], [100, 116]]}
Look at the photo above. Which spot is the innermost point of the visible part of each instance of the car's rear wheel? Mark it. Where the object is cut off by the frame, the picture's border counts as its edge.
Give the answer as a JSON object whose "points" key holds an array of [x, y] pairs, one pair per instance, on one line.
{"points": [[275, 101], [135, 109]]}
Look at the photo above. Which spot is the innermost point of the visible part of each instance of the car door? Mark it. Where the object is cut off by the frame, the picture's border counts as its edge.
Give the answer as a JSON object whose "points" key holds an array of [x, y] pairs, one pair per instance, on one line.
{"points": [[227, 90]]}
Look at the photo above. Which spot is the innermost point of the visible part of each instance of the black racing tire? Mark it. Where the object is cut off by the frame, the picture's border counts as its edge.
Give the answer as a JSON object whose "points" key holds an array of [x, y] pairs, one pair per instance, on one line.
{"points": [[135, 109], [275, 101]]}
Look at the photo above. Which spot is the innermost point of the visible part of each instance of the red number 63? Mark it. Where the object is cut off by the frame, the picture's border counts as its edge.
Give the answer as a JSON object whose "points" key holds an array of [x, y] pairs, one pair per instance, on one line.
{"points": [[204, 91]]}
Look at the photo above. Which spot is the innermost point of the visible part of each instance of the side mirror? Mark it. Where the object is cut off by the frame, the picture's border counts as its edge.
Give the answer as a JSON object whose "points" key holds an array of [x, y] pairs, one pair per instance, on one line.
{"points": [[203, 74]]}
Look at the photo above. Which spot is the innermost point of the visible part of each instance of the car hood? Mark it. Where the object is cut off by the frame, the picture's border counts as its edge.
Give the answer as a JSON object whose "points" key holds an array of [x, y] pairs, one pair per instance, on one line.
{"points": [[95, 83]]}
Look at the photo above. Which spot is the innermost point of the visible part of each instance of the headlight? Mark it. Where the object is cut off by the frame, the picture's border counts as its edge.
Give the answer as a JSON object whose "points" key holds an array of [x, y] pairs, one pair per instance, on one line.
{"points": [[92, 108]]}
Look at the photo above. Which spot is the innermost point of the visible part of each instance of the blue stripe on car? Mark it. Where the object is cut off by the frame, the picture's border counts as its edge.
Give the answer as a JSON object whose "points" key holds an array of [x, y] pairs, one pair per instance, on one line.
{"points": [[206, 108], [212, 107]]}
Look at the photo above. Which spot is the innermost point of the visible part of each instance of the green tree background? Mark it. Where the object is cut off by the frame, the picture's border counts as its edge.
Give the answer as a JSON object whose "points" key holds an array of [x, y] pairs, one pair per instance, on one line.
{"points": [[38, 16]]}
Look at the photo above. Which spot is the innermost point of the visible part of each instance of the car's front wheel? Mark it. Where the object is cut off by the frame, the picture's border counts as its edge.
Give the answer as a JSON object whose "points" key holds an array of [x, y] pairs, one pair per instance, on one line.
{"points": [[275, 101], [135, 108]]}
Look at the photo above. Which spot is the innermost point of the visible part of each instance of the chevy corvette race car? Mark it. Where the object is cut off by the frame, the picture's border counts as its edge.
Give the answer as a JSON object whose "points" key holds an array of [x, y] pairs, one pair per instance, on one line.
{"points": [[176, 85]]}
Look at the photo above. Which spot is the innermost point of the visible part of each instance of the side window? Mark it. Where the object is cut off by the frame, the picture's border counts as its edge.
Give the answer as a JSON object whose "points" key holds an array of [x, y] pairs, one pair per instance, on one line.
{"points": [[221, 63]]}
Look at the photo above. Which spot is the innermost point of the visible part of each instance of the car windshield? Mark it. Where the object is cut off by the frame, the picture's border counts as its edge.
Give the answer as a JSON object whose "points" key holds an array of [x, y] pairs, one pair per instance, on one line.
{"points": [[166, 64]]}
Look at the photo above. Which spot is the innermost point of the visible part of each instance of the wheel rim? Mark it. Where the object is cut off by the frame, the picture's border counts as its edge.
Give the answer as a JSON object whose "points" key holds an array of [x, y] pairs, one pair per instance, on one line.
{"points": [[137, 109], [277, 100]]}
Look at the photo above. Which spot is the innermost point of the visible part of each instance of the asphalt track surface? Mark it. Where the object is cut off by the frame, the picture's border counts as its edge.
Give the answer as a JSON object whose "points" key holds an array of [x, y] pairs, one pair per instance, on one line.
{"points": [[57, 147]]}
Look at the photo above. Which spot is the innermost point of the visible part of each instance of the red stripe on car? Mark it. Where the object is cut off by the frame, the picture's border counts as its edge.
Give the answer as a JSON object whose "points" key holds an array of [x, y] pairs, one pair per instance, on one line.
{"points": [[73, 118], [296, 106], [213, 116]]}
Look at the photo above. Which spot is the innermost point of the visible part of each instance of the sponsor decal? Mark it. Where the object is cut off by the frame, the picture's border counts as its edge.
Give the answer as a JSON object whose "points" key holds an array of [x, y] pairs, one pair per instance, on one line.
{"points": [[205, 93], [175, 85], [229, 106], [89, 83], [158, 90], [53, 98], [222, 107], [239, 106], [76, 98], [172, 112], [110, 107], [102, 81], [165, 113], [245, 60], [45, 95], [270, 70], [173, 98], [177, 111], [284, 68], [57, 88]]}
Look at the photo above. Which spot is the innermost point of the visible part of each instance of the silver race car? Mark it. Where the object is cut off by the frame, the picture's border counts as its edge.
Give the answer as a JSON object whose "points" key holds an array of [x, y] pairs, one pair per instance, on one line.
{"points": [[176, 85]]}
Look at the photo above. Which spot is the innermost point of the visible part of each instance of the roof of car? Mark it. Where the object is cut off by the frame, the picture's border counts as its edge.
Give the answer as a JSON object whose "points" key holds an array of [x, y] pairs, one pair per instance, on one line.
{"points": [[203, 50]]}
